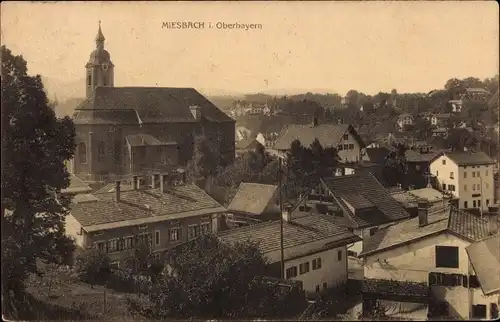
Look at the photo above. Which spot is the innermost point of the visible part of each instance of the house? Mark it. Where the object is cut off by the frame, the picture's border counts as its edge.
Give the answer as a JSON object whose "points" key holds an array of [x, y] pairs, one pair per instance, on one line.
{"points": [[246, 145], [476, 94], [314, 248], [440, 132], [252, 203], [242, 133], [164, 212], [419, 268], [404, 120], [456, 105], [485, 260], [122, 131], [467, 176], [358, 202], [418, 166], [375, 155], [440, 119], [409, 199], [343, 137]]}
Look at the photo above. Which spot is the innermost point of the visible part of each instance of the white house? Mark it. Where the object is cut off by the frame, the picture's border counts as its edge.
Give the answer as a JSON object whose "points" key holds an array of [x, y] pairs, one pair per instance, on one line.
{"points": [[423, 261], [405, 119], [343, 137], [467, 176], [358, 202], [456, 105], [315, 248]]}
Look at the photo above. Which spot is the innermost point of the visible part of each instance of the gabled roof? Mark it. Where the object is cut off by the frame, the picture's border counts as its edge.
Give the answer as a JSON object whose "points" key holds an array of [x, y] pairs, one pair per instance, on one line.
{"points": [[457, 222], [416, 156], [143, 139], [146, 105], [143, 206], [385, 209], [466, 158], [484, 256], [328, 135], [252, 198], [429, 194], [302, 230], [377, 155], [76, 185]]}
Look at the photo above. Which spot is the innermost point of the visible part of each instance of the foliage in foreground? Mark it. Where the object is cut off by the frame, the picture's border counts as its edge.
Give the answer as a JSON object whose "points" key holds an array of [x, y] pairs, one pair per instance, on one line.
{"points": [[212, 279]]}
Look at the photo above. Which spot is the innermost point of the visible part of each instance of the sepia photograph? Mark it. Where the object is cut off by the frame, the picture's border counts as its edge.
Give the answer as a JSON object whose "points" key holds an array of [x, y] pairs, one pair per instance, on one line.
{"points": [[250, 160]]}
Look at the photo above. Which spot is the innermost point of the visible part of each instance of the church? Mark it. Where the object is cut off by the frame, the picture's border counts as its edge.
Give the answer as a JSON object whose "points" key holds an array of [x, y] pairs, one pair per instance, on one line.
{"points": [[124, 131]]}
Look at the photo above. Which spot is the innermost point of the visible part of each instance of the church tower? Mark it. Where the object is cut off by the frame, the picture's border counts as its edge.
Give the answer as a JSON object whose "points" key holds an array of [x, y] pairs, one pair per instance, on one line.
{"points": [[99, 69]]}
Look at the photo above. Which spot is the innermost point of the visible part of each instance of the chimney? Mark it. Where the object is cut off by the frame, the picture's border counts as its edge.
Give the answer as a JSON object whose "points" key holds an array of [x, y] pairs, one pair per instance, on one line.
{"points": [[196, 111], [315, 121], [423, 213], [138, 183], [163, 184], [135, 182], [287, 213], [117, 191], [153, 181]]}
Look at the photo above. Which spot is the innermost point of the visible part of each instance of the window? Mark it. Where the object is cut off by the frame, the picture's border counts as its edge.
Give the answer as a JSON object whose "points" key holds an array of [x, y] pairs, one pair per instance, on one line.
{"points": [[339, 147], [175, 234], [112, 245], [437, 173], [291, 272], [345, 137], [466, 205], [129, 242], [101, 247], [157, 237], [444, 162], [304, 268], [487, 185], [101, 151], [473, 174], [474, 203], [479, 203], [118, 151], [479, 311], [339, 255], [447, 256], [316, 263], [473, 187], [346, 146], [205, 227], [192, 231], [487, 202], [452, 175], [89, 80], [451, 187], [82, 152], [351, 146], [465, 187], [465, 174]]}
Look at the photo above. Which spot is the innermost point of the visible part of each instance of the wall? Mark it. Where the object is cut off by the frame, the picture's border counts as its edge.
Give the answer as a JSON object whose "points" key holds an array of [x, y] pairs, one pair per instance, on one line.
{"points": [[364, 233], [486, 180], [332, 271], [414, 262], [74, 229], [348, 155], [442, 173]]}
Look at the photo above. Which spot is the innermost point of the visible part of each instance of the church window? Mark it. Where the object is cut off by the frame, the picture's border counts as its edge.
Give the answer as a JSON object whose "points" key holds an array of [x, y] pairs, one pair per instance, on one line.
{"points": [[82, 152], [100, 151], [89, 80], [118, 151]]}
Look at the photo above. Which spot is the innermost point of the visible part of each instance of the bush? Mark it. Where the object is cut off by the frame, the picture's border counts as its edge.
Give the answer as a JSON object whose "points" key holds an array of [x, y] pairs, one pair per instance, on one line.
{"points": [[93, 266]]}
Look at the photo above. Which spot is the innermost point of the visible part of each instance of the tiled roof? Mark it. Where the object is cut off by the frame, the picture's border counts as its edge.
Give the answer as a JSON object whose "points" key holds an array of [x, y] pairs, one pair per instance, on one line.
{"points": [[457, 222], [301, 230], [415, 156], [467, 158], [150, 104], [113, 117], [327, 134], [405, 198], [76, 185], [377, 155], [143, 139], [429, 194], [252, 198], [144, 205], [485, 258], [365, 185]]}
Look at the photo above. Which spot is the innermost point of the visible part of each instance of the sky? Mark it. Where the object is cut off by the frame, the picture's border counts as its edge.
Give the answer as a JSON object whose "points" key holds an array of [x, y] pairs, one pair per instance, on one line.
{"points": [[302, 46]]}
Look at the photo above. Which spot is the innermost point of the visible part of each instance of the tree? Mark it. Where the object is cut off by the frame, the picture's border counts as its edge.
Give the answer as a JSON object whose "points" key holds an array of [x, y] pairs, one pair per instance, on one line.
{"points": [[212, 279], [93, 266], [35, 145], [205, 160], [395, 167]]}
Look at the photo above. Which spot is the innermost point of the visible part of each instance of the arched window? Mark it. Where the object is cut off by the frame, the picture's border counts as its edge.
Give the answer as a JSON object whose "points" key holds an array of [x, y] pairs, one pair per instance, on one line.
{"points": [[89, 80], [101, 151], [82, 152]]}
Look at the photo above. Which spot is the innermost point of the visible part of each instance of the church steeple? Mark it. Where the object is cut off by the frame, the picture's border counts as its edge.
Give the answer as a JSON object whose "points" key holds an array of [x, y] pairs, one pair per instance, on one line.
{"points": [[99, 69]]}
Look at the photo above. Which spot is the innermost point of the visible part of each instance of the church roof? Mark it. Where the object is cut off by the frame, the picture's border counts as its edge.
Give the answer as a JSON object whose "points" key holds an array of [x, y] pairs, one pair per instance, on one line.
{"points": [[136, 105]]}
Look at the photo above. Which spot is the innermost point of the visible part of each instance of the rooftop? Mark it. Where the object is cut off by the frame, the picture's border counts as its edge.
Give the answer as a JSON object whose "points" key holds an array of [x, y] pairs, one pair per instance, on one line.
{"points": [[457, 222], [378, 154], [252, 198], [143, 139], [247, 143], [362, 191], [135, 105], [416, 156], [304, 229], [327, 134], [467, 158], [76, 185], [485, 258], [143, 206], [429, 194]]}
